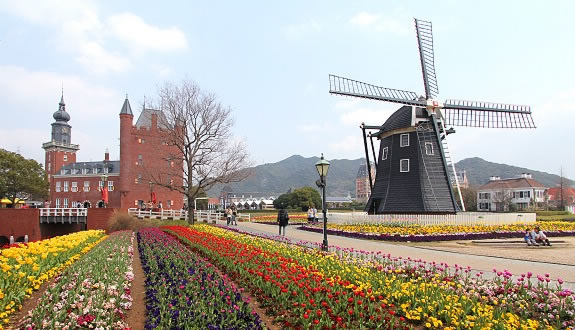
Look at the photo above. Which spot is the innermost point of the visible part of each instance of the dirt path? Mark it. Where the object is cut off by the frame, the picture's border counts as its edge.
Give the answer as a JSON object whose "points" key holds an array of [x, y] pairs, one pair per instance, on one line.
{"points": [[136, 317]]}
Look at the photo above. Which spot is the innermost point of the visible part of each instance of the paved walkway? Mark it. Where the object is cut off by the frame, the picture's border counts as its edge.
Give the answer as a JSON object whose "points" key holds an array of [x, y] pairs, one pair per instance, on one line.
{"points": [[485, 264]]}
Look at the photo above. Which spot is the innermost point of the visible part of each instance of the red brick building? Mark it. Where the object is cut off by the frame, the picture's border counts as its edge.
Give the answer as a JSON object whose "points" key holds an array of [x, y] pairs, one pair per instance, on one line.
{"points": [[362, 188], [144, 157]]}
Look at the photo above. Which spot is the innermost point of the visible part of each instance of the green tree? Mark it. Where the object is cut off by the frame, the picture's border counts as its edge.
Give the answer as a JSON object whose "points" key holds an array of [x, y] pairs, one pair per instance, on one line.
{"points": [[469, 198], [299, 198], [21, 177]]}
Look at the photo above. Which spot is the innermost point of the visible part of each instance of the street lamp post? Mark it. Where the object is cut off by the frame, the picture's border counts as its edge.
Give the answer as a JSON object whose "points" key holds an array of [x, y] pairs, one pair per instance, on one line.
{"points": [[322, 167]]}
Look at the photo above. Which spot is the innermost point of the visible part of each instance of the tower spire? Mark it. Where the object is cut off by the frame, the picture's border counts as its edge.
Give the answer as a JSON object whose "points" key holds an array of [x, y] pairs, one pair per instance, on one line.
{"points": [[62, 105]]}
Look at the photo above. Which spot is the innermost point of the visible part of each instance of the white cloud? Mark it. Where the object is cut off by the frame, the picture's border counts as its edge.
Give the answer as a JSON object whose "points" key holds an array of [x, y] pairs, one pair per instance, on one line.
{"points": [[100, 44], [364, 19], [353, 112], [349, 146], [396, 23], [93, 110], [98, 60], [298, 31], [143, 36]]}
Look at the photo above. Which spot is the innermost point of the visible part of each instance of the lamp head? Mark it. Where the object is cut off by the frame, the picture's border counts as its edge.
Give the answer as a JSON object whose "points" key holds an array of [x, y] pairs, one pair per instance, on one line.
{"points": [[104, 177], [322, 167]]}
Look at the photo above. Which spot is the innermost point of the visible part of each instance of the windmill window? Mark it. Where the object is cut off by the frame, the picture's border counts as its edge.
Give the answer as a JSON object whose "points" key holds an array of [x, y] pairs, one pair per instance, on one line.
{"points": [[384, 153], [404, 165], [429, 148], [404, 140]]}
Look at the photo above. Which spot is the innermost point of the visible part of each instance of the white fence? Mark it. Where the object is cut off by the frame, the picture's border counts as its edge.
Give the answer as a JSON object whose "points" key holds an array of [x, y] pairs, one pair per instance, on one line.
{"points": [[161, 214], [463, 218], [212, 216], [63, 215]]}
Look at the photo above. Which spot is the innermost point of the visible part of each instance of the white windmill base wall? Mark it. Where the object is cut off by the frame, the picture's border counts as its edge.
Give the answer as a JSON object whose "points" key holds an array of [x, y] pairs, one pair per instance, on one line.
{"points": [[462, 218]]}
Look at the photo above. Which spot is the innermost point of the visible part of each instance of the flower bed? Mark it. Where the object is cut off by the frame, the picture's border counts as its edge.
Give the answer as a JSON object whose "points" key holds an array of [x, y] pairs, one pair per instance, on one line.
{"points": [[300, 296], [296, 217], [93, 293], [416, 233], [26, 267], [351, 287], [184, 290]]}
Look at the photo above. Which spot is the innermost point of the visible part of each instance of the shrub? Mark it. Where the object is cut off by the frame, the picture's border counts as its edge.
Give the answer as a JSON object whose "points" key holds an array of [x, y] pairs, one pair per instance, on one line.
{"points": [[546, 213], [124, 221]]}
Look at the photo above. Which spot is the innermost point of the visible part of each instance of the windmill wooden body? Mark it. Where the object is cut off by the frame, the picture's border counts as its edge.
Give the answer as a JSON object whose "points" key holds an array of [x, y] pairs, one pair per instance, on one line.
{"points": [[414, 170]]}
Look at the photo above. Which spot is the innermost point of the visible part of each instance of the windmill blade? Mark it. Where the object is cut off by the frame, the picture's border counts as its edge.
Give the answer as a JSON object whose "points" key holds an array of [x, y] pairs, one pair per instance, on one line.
{"points": [[425, 42], [485, 114], [349, 87]]}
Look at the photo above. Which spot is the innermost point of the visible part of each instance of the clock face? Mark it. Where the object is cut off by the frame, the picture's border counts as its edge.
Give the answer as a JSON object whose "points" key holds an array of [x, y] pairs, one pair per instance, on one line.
{"points": [[64, 130]]}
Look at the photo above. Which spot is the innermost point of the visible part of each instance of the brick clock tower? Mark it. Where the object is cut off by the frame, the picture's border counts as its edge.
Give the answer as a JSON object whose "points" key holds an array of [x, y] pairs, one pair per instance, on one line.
{"points": [[60, 151]]}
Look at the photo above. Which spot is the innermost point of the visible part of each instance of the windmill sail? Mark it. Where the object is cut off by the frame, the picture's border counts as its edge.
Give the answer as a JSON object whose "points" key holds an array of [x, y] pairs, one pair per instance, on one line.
{"points": [[349, 87], [485, 114], [425, 42]]}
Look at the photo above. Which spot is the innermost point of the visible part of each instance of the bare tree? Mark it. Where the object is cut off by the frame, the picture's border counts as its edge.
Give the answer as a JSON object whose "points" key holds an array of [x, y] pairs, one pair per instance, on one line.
{"points": [[200, 130], [502, 199]]}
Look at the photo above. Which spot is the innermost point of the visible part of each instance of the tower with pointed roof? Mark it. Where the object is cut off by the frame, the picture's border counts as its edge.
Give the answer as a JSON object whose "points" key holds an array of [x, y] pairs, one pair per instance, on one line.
{"points": [[59, 150], [126, 148]]}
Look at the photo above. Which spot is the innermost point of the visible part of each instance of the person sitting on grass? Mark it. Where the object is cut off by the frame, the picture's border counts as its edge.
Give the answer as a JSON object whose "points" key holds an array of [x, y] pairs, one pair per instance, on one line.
{"points": [[529, 239], [540, 237]]}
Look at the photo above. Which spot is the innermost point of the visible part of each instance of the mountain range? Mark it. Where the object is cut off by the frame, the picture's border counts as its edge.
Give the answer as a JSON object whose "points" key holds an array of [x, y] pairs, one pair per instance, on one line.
{"points": [[296, 171]]}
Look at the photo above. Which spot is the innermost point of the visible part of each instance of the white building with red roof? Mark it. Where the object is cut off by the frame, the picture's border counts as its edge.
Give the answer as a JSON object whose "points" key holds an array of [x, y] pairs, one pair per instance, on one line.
{"points": [[499, 195]]}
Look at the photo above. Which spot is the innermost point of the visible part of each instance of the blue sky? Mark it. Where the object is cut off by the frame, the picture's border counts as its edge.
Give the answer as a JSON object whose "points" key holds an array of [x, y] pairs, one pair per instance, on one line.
{"points": [[269, 62]]}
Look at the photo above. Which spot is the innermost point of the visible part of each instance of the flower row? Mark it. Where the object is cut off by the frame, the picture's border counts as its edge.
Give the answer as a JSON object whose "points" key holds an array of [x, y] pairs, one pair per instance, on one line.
{"points": [[27, 267], [92, 293], [294, 217], [183, 290], [417, 233], [428, 294]]}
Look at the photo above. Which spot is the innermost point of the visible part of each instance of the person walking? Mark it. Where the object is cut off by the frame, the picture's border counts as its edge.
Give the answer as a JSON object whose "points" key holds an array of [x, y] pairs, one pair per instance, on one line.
{"points": [[228, 216], [234, 216], [283, 220], [310, 218]]}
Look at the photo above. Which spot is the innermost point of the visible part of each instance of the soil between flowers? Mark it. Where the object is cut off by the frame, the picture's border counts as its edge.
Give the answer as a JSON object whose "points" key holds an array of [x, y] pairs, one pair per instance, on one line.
{"points": [[136, 316]]}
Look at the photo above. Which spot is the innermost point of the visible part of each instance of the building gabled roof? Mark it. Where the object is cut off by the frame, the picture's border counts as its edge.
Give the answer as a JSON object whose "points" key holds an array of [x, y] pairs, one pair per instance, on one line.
{"points": [[511, 184], [126, 108], [145, 119]]}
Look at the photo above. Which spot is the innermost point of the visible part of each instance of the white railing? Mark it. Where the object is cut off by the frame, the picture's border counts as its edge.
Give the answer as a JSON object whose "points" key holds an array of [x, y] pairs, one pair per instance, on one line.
{"points": [[64, 212], [63, 215], [463, 218], [212, 216], [160, 214]]}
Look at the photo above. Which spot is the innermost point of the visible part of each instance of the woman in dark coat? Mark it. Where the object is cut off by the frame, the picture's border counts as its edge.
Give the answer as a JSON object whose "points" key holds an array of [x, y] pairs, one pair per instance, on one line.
{"points": [[283, 220]]}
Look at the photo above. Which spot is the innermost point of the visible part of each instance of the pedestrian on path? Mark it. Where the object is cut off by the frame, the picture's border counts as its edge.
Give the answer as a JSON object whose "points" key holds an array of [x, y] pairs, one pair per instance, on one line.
{"points": [[228, 216], [283, 220], [310, 217], [234, 216]]}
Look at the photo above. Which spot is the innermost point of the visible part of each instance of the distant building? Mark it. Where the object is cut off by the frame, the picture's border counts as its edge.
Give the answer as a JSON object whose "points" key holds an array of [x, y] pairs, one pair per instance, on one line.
{"points": [[335, 202], [362, 187], [500, 195], [143, 154], [554, 198], [462, 179]]}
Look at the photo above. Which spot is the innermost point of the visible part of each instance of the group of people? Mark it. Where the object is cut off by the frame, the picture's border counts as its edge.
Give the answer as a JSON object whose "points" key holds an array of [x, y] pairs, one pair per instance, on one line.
{"points": [[231, 216], [536, 237], [312, 214]]}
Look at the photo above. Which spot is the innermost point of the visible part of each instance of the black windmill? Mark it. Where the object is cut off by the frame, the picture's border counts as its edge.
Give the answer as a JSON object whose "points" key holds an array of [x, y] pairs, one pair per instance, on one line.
{"points": [[415, 173]]}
